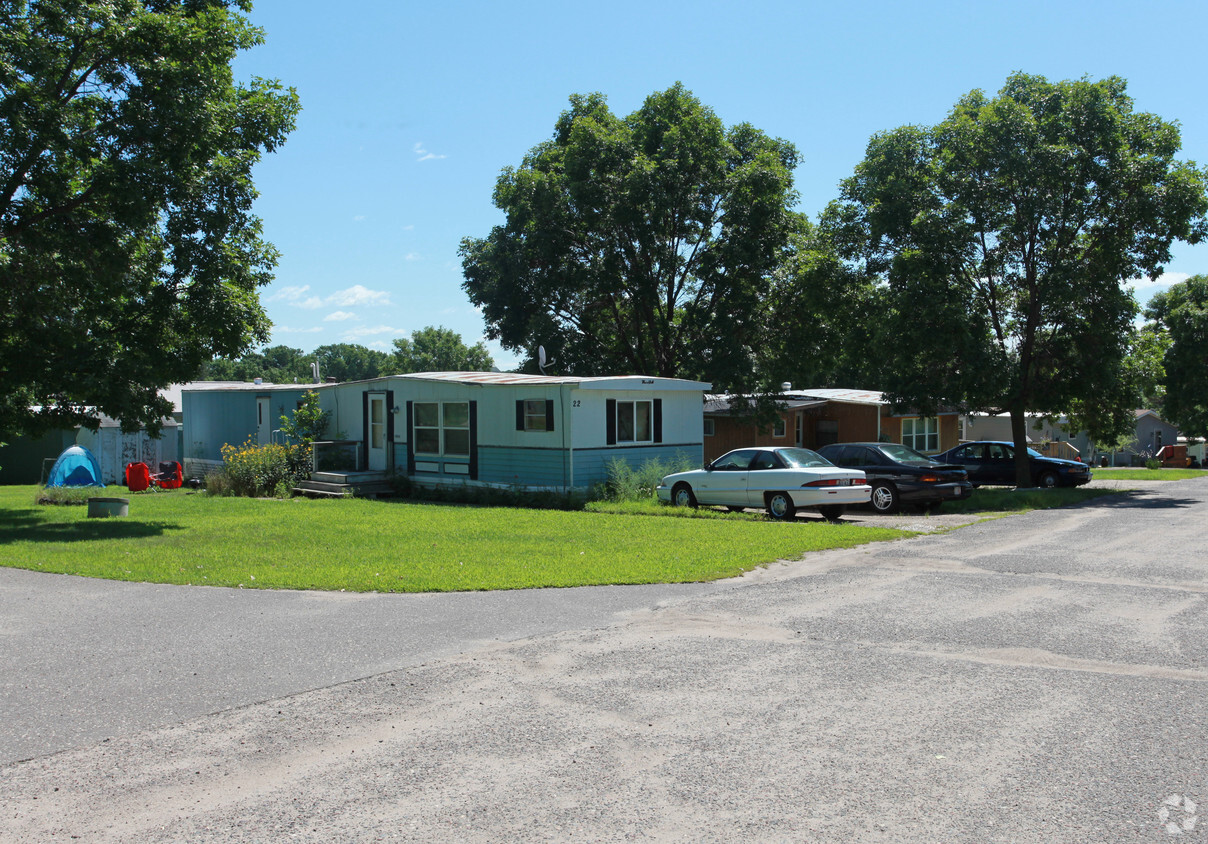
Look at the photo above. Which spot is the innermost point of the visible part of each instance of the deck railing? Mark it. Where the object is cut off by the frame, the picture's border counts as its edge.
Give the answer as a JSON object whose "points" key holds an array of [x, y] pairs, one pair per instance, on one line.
{"points": [[336, 456]]}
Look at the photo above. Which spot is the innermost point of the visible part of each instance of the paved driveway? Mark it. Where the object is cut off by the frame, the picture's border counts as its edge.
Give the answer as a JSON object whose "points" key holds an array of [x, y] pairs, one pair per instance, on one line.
{"points": [[1041, 677]]}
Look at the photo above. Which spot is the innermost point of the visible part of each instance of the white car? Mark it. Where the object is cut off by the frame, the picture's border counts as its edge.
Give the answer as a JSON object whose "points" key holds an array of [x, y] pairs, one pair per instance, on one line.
{"points": [[778, 479]]}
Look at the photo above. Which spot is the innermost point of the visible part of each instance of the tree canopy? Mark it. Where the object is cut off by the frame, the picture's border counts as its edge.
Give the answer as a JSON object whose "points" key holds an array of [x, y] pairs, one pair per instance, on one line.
{"points": [[429, 349], [639, 244], [439, 350], [1182, 312], [129, 254], [1002, 238]]}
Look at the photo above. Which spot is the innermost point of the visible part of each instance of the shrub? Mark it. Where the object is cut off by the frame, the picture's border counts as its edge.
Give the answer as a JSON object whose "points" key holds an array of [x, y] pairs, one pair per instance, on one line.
{"points": [[488, 496], [65, 494], [628, 484], [261, 470], [1153, 463]]}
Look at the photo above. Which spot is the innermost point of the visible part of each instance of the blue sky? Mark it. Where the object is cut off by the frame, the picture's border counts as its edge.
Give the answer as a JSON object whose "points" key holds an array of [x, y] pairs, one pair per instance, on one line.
{"points": [[410, 110]]}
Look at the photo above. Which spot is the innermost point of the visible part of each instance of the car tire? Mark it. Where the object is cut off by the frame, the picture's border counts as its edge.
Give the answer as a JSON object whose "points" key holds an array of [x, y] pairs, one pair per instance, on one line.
{"points": [[781, 506], [681, 496], [1047, 480], [884, 497], [832, 512]]}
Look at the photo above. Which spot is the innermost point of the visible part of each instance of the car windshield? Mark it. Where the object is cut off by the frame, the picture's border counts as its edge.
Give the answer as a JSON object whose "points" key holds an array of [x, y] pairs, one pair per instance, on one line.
{"points": [[803, 458], [905, 454]]}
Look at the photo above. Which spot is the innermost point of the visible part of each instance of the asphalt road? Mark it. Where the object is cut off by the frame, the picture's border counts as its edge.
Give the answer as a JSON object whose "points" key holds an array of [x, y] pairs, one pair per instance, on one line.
{"points": [[1041, 677]]}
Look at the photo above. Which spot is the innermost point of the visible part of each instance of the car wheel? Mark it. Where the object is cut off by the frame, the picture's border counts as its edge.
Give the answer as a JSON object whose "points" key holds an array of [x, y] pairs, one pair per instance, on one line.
{"points": [[781, 506], [1048, 480], [681, 496], [884, 497], [832, 512]]}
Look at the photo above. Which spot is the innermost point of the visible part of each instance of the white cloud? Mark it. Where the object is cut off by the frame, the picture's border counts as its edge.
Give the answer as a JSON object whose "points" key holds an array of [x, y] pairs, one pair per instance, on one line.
{"points": [[288, 294], [358, 295], [359, 218], [412, 256], [311, 304], [285, 329], [339, 316], [409, 228], [1145, 288], [423, 155], [370, 331]]}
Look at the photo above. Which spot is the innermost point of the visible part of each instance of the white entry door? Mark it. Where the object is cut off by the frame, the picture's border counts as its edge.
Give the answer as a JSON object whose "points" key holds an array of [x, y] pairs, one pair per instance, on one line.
{"points": [[377, 432], [264, 421]]}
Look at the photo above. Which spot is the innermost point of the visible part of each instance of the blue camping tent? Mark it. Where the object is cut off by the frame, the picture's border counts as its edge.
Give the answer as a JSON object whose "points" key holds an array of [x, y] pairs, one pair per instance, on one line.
{"points": [[75, 467]]}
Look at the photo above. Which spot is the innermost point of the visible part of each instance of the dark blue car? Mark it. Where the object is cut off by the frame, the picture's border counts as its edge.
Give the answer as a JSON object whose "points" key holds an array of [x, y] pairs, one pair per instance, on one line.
{"points": [[993, 463]]}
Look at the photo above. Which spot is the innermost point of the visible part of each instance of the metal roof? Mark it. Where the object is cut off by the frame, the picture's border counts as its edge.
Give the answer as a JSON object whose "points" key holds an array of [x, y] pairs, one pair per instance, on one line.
{"points": [[799, 399], [484, 378], [722, 404]]}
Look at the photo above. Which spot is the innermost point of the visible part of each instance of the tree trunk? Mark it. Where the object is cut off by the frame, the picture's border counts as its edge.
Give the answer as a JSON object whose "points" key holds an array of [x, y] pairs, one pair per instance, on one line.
{"points": [[1019, 436]]}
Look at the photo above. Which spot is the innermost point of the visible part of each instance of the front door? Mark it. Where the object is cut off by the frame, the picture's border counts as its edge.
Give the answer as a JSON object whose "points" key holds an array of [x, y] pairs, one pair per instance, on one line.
{"points": [[376, 447], [264, 420]]}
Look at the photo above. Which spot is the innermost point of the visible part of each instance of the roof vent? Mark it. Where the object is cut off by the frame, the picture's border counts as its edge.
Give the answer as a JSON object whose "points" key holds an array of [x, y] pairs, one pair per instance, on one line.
{"points": [[786, 386]]}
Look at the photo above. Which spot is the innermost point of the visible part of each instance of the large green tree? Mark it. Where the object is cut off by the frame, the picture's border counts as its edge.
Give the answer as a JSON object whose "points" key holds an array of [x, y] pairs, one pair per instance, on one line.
{"points": [[275, 364], [350, 362], [1004, 237], [1182, 312], [638, 244], [439, 350], [129, 254]]}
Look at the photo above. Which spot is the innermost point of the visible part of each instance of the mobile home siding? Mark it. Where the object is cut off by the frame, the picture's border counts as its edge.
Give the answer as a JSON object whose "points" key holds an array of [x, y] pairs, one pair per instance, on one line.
{"points": [[591, 465], [529, 467]]}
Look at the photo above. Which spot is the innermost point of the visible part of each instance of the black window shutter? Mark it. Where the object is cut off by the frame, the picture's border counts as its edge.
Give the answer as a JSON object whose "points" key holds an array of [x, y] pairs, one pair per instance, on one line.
{"points": [[410, 442], [549, 414], [390, 419], [473, 440], [610, 424], [519, 414], [658, 420], [365, 418]]}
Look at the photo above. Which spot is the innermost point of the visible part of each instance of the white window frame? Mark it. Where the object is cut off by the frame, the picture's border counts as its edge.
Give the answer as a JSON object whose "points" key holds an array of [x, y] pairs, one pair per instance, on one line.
{"points": [[922, 433], [632, 406], [534, 415], [446, 429], [442, 428]]}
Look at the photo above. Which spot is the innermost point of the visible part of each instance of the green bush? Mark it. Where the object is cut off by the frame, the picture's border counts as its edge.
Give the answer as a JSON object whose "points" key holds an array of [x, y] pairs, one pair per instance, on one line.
{"points": [[65, 494], [488, 496], [626, 483], [1153, 463], [261, 470]]}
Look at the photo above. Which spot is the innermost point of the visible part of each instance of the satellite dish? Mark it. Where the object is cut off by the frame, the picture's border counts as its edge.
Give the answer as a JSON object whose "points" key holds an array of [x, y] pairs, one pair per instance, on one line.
{"points": [[541, 359]]}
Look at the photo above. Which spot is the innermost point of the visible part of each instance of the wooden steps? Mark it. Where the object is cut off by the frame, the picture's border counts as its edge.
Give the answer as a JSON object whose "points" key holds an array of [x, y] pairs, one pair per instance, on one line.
{"points": [[345, 485]]}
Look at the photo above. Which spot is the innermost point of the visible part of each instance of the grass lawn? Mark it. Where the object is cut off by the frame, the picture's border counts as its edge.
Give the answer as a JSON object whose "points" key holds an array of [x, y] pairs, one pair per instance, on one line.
{"points": [[383, 546], [1146, 474]]}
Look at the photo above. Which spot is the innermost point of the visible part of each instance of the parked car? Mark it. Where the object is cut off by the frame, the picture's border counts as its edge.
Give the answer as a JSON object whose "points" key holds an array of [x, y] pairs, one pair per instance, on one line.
{"points": [[900, 475], [989, 462], [782, 480]]}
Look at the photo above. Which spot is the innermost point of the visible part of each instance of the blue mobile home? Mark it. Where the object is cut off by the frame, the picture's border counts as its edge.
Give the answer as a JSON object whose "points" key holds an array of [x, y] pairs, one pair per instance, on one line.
{"points": [[491, 428]]}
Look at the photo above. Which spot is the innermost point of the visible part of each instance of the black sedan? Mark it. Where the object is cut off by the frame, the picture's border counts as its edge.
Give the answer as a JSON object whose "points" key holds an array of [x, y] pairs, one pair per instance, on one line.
{"points": [[992, 462], [898, 474]]}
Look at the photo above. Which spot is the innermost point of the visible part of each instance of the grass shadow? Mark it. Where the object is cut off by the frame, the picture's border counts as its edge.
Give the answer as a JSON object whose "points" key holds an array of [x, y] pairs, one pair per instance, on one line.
{"points": [[27, 526]]}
